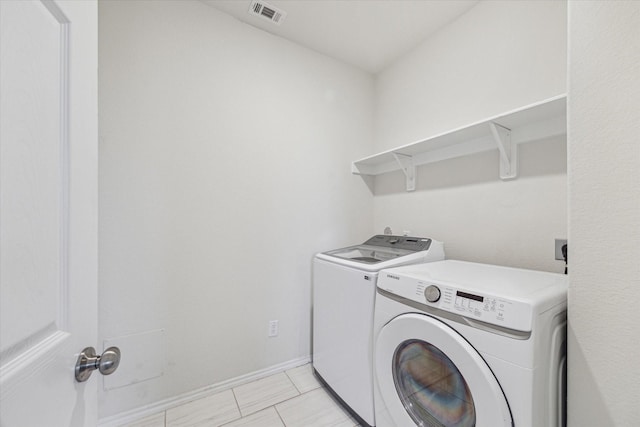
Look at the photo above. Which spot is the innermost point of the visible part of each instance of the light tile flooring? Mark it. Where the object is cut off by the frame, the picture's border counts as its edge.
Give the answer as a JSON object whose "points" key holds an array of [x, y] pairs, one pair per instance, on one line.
{"points": [[293, 398]]}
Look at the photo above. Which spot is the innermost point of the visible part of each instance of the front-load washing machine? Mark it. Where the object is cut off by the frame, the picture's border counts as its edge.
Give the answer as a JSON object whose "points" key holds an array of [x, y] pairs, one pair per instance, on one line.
{"points": [[344, 289], [465, 344]]}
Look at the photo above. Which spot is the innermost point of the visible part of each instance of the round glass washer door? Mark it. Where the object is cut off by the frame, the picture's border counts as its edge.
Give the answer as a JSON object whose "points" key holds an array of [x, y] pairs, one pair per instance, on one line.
{"points": [[430, 376]]}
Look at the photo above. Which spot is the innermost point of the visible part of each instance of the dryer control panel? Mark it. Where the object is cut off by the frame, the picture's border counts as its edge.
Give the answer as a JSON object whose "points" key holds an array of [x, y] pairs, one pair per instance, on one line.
{"points": [[493, 309]]}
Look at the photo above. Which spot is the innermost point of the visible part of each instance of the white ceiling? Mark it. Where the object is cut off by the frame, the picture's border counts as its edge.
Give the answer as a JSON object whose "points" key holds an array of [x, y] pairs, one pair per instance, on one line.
{"points": [[369, 34]]}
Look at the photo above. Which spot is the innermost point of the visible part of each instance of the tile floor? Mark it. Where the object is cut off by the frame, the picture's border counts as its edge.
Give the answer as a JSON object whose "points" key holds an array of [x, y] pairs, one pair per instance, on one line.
{"points": [[293, 398]]}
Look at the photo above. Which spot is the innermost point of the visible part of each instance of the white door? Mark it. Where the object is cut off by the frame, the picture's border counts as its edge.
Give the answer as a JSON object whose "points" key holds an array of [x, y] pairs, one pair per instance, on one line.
{"points": [[48, 210], [428, 374]]}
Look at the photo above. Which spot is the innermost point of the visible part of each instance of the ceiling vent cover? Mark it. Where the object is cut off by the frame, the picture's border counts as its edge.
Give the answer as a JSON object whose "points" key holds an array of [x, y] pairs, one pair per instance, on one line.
{"points": [[266, 11]]}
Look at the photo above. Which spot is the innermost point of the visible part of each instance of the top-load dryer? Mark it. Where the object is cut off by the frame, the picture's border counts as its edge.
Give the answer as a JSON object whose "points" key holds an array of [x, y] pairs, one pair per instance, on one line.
{"points": [[344, 288]]}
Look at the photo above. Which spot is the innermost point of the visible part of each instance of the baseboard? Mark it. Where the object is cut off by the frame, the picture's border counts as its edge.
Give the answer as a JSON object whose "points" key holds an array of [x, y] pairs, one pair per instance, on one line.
{"points": [[153, 408]]}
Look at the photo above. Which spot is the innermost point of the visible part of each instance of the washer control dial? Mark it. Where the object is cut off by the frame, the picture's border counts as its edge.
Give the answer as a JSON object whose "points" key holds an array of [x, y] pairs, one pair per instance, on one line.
{"points": [[432, 293]]}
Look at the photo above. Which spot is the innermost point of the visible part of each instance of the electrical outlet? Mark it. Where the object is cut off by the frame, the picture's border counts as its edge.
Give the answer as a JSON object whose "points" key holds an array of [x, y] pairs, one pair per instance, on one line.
{"points": [[273, 328], [559, 244]]}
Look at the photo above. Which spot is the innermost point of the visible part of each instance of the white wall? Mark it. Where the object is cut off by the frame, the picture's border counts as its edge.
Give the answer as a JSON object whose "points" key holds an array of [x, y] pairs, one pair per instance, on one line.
{"points": [[604, 214], [224, 165], [497, 57]]}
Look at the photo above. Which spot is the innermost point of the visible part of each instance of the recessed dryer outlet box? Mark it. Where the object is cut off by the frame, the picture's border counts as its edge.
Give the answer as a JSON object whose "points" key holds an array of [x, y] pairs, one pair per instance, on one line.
{"points": [[559, 244]]}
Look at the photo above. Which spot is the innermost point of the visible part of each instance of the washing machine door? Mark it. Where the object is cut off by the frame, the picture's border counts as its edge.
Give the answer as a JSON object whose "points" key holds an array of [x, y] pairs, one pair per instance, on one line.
{"points": [[429, 375]]}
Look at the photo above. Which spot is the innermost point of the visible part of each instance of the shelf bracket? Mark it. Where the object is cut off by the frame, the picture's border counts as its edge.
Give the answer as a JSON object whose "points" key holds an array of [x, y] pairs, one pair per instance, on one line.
{"points": [[408, 168], [508, 151]]}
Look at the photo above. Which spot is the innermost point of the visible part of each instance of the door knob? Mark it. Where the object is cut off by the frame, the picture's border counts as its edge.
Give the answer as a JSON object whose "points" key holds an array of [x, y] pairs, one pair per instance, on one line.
{"points": [[89, 361]]}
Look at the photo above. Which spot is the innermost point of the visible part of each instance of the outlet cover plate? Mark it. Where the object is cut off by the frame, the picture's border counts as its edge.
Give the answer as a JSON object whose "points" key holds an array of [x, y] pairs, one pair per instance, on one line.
{"points": [[559, 244], [273, 328]]}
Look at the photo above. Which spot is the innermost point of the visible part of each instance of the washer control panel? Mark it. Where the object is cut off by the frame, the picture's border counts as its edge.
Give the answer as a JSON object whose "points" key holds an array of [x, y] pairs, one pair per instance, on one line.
{"points": [[472, 304], [407, 243]]}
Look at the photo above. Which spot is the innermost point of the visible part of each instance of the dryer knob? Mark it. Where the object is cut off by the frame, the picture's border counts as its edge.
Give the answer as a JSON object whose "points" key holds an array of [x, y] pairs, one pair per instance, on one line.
{"points": [[432, 293]]}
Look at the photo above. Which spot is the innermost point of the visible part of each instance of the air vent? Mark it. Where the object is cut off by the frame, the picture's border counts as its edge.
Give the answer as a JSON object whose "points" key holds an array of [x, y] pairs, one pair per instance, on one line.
{"points": [[266, 11]]}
